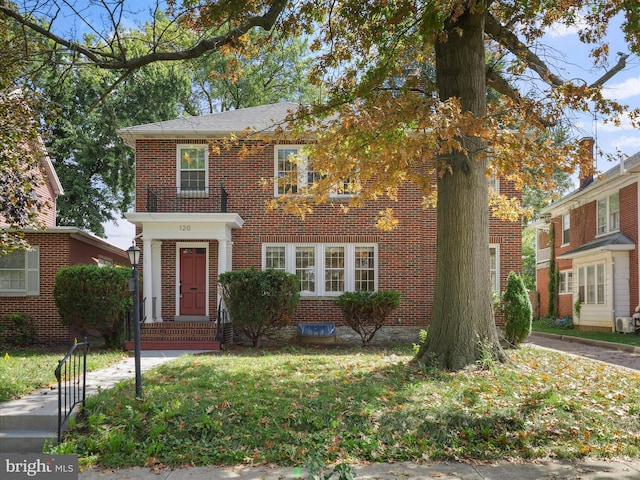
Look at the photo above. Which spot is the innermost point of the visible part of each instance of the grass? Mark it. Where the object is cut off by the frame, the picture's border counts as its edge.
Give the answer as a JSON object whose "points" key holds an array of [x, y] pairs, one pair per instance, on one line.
{"points": [[545, 326], [24, 371], [359, 405]]}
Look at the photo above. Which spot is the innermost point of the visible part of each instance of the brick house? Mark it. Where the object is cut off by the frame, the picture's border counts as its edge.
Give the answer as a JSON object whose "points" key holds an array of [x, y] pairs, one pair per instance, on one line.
{"points": [[595, 244], [27, 277], [200, 211]]}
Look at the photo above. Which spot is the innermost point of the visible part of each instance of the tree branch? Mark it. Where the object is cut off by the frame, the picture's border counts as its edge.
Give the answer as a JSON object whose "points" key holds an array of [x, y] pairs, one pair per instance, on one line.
{"points": [[111, 62], [507, 38], [622, 62]]}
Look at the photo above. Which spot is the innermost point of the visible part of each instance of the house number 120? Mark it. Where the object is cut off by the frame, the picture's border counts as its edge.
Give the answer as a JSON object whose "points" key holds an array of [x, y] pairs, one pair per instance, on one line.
{"points": [[185, 228]]}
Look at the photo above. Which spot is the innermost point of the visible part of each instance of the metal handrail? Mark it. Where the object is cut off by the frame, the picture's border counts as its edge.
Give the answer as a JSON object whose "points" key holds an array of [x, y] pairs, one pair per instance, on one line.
{"points": [[72, 372], [176, 199]]}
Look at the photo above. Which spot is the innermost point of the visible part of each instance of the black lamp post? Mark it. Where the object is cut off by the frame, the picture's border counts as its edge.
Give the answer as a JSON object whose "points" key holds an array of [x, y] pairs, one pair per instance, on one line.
{"points": [[134, 258]]}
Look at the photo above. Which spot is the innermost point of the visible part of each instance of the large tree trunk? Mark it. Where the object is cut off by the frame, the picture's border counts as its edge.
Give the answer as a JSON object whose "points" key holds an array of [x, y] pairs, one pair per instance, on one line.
{"points": [[462, 327]]}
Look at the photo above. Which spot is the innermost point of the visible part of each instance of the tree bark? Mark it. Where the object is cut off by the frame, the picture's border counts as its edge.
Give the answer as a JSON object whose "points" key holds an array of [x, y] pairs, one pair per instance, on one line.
{"points": [[462, 328]]}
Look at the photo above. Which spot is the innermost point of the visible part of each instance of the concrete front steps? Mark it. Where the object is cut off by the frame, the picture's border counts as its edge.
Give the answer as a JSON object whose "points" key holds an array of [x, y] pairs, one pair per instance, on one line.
{"points": [[27, 423], [180, 335]]}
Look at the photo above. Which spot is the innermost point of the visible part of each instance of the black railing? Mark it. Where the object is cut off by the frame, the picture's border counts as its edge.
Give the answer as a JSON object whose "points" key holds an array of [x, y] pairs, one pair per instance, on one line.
{"points": [[71, 374], [172, 199], [224, 328]]}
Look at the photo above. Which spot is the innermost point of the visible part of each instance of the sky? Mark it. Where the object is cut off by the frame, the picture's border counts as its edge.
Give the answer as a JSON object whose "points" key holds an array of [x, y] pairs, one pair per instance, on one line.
{"points": [[560, 47]]}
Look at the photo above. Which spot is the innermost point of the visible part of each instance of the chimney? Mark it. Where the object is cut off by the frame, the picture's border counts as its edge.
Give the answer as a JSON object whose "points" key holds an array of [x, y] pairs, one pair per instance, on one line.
{"points": [[587, 162]]}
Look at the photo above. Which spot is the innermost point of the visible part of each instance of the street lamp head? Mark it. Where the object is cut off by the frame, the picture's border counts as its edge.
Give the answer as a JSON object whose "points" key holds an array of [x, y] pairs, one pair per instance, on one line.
{"points": [[134, 255]]}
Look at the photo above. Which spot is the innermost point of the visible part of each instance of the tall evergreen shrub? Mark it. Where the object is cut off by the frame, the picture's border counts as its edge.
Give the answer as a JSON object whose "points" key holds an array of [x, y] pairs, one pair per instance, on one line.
{"points": [[518, 313]]}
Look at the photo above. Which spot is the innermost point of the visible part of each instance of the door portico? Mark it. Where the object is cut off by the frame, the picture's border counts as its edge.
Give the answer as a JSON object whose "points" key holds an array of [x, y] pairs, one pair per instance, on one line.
{"points": [[189, 231]]}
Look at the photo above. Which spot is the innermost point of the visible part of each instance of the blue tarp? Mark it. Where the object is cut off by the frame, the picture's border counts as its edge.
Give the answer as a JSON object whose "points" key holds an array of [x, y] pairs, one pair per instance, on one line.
{"points": [[317, 329]]}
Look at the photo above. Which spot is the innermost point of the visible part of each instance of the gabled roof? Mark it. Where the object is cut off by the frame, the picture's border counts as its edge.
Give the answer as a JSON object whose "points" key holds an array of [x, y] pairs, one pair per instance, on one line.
{"points": [[630, 166], [265, 118], [616, 241]]}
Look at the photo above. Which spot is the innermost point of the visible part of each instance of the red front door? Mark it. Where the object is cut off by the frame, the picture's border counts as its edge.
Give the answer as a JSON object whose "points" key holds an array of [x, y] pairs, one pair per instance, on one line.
{"points": [[193, 281]]}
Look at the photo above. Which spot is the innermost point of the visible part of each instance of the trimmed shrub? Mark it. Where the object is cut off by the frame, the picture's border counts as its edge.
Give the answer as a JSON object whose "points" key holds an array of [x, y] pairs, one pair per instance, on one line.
{"points": [[18, 329], [518, 313], [366, 312], [92, 297], [260, 302]]}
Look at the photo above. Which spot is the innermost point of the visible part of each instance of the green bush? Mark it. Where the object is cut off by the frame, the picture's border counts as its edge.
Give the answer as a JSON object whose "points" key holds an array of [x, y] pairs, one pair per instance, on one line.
{"points": [[518, 313], [260, 302], [93, 297], [366, 312], [18, 329]]}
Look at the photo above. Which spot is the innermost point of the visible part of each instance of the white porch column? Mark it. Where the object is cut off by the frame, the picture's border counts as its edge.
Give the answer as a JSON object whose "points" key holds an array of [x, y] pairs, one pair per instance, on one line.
{"points": [[147, 280], [225, 249], [156, 260]]}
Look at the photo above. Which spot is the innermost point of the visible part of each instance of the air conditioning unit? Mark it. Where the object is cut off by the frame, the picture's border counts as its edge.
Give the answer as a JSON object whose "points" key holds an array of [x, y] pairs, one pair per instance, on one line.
{"points": [[625, 325]]}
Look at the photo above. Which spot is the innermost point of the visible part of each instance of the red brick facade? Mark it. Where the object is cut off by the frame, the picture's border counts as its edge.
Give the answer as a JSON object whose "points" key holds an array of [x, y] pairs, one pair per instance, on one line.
{"points": [[58, 247], [406, 256], [621, 277]]}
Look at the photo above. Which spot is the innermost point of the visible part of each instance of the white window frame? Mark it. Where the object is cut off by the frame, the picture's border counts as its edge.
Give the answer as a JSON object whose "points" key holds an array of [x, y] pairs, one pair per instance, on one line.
{"points": [[607, 220], [305, 176], [494, 184], [179, 170], [566, 228], [566, 282], [301, 170], [319, 270], [494, 273], [592, 292], [31, 270]]}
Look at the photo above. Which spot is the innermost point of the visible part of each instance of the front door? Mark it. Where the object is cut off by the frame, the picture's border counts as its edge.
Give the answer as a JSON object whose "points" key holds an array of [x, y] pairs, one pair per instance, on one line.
{"points": [[193, 281]]}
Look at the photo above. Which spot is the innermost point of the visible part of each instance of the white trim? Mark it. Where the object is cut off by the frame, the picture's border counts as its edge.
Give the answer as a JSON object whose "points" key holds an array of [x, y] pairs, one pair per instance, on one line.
{"points": [[179, 148], [31, 270], [568, 228], [497, 285], [320, 265], [567, 290]]}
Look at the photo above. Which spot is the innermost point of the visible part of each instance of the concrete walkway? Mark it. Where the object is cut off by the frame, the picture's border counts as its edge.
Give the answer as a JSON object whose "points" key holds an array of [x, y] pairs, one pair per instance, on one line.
{"points": [[588, 469], [28, 422]]}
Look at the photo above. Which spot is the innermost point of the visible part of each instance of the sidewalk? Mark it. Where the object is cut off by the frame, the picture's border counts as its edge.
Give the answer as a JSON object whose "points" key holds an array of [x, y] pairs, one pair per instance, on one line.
{"points": [[556, 470], [548, 469]]}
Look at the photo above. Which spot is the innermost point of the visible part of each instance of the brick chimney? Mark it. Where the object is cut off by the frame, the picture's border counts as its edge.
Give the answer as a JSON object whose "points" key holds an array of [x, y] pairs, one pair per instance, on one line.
{"points": [[587, 161]]}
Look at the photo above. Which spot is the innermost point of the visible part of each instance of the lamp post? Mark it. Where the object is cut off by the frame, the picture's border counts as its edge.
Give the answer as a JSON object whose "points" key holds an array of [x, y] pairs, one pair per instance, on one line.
{"points": [[134, 258]]}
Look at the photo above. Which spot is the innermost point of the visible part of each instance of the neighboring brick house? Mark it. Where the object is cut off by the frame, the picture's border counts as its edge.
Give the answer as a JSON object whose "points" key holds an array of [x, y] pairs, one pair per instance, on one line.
{"points": [[200, 211], [27, 277], [595, 231]]}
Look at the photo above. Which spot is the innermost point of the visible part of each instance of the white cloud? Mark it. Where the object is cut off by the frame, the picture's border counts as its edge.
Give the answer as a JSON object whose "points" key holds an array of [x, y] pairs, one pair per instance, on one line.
{"points": [[626, 89], [627, 144], [121, 234], [561, 30]]}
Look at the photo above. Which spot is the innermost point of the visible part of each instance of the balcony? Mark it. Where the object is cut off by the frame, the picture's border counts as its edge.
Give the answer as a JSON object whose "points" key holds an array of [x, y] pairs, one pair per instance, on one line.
{"points": [[172, 199], [544, 254]]}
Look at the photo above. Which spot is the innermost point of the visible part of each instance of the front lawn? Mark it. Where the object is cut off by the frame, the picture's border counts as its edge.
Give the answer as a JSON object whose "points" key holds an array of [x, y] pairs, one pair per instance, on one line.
{"points": [[23, 371], [352, 405], [545, 326]]}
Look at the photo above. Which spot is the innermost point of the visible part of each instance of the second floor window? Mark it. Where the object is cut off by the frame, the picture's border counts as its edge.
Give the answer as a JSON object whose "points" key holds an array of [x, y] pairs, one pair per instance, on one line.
{"points": [[192, 169], [609, 214], [293, 173], [566, 228]]}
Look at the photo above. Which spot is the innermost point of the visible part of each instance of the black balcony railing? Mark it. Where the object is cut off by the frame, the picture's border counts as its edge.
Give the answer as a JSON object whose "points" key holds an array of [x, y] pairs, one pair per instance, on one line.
{"points": [[172, 199]]}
